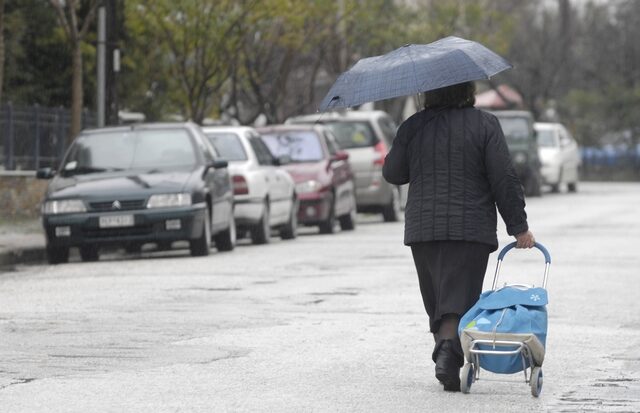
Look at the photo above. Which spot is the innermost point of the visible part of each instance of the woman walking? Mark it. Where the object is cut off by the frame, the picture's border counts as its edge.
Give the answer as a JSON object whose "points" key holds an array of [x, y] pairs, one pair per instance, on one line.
{"points": [[457, 163]]}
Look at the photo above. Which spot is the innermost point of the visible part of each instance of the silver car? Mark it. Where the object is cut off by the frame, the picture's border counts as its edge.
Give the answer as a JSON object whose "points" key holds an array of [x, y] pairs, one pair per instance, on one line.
{"points": [[264, 195], [366, 136]]}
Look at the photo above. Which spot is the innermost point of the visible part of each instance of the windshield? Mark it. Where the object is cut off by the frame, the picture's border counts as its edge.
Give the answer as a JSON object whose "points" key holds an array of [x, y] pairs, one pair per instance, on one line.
{"points": [[547, 138], [228, 145], [351, 134], [113, 151], [514, 128], [300, 146]]}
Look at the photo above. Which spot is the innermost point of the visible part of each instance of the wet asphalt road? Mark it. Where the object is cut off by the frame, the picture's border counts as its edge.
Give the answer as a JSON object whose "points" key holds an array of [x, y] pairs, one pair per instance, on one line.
{"points": [[322, 323]]}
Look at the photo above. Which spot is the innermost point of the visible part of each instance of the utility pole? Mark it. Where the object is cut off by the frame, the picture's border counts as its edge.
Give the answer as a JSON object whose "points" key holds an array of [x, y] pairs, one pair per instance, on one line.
{"points": [[114, 29], [342, 34], [101, 66]]}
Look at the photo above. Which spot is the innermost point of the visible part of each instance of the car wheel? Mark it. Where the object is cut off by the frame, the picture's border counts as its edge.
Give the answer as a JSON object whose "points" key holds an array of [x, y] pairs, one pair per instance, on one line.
{"points": [[290, 229], [261, 232], [57, 255], [572, 187], [329, 225], [391, 211], [348, 221], [533, 185], [133, 248], [555, 188], [200, 246], [89, 253], [226, 240]]}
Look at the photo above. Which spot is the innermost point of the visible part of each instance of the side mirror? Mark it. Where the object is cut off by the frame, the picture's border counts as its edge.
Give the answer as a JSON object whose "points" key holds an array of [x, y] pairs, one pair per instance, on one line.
{"points": [[340, 156], [45, 173], [281, 160], [219, 164]]}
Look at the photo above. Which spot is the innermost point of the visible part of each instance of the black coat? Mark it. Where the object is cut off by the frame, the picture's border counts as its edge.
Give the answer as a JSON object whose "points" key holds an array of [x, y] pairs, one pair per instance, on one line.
{"points": [[458, 166]]}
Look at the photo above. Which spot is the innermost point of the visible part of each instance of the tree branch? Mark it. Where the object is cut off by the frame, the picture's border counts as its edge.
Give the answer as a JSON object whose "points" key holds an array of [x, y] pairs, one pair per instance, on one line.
{"points": [[88, 19], [62, 19]]}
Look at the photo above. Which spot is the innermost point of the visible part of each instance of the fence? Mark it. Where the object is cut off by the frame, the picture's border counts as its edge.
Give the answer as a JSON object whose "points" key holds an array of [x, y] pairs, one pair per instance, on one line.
{"points": [[611, 163], [33, 136]]}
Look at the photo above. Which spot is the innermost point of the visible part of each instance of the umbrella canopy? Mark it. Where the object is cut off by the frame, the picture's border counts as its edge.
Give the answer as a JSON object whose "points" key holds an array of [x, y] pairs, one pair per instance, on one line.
{"points": [[413, 69]]}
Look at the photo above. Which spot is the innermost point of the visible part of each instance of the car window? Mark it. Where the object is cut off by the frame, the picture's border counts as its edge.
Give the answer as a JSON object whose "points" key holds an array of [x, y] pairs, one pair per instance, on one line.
{"points": [[353, 134], [515, 128], [228, 146], [547, 138], [262, 152], [206, 148], [565, 138], [131, 149], [299, 146], [331, 145], [388, 128]]}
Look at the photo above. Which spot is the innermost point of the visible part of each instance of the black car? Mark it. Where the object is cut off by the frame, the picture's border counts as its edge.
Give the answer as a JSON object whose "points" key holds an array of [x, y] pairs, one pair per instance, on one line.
{"points": [[127, 186]]}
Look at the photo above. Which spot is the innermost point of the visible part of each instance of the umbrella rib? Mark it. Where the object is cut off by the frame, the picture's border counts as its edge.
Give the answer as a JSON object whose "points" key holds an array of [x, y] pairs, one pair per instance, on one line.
{"points": [[413, 65]]}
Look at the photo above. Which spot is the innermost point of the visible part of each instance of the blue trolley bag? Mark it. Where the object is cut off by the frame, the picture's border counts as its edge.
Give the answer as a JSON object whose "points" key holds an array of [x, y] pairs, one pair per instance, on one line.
{"points": [[514, 313]]}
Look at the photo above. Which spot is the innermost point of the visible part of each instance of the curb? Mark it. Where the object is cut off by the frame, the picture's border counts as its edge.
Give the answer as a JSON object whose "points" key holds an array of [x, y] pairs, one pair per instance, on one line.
{"points": [[30, 255]]}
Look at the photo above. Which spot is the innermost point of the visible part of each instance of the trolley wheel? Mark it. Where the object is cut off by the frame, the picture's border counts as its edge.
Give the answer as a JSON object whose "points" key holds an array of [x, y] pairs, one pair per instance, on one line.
{"points": [[536, 381], [467, 377]]}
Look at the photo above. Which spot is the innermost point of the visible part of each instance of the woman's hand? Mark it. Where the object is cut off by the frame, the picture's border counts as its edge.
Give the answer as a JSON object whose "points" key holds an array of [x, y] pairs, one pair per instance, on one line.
{"points": [[525, 240]]}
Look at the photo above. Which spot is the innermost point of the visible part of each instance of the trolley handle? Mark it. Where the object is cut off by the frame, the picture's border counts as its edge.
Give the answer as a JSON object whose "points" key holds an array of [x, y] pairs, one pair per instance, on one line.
{"points": [[547, 261], [547, 256]]}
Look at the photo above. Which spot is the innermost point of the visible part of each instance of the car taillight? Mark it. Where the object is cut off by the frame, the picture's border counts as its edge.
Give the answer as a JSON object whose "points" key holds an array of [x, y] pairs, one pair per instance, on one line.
{"points": [[381, 151], [240, 186]]}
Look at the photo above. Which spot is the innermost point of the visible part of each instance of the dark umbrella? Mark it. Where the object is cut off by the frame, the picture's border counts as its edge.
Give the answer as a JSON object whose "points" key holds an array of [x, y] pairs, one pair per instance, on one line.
{"points": [[413, 69]]}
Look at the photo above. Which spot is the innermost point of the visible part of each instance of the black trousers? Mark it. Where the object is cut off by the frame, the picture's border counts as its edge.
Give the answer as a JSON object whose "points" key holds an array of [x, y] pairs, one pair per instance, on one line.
{"points": [[450, 275]]}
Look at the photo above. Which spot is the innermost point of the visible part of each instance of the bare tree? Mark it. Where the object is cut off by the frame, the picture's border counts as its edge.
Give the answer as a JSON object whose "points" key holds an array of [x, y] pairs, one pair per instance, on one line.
{"points": [[75, 30], [199, 41]]}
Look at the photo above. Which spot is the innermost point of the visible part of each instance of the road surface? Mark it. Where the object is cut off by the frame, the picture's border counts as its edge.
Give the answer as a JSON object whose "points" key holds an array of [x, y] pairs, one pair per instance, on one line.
{"points": [[326, 323]]}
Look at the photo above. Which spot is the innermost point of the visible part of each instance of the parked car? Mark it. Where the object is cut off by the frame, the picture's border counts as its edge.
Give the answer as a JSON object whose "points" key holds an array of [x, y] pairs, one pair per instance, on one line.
{"points": [[559, 155], [366, 136], [264, 194], [145, 183], [323, 176], [517, 126]]}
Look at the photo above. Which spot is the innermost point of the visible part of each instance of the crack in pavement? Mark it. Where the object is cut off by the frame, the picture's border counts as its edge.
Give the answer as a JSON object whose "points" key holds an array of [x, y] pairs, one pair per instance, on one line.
{"points": [[19, 381]]}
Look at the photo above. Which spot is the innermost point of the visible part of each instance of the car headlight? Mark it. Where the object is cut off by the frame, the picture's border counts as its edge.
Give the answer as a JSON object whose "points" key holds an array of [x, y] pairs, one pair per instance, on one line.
{"points": [[520, 158], [308, 186], [169, 200], [63, 206]]}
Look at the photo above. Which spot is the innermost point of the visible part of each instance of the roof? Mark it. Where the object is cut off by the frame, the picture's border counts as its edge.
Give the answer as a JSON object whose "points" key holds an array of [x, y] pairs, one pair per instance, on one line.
{"points": [[139, 126], [227, 129], [290, 127], [339, 115], [493, 100], [546, 125]]}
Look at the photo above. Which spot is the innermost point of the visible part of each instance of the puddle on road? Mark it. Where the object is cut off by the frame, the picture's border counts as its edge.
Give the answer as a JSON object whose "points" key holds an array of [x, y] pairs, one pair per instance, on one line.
{"points": [[351, 293], [213, 289], [615, 394]]}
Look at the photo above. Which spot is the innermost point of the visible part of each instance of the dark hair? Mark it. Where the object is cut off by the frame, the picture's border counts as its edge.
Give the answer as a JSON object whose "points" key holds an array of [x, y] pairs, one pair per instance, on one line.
{"points": [[461, 95]]}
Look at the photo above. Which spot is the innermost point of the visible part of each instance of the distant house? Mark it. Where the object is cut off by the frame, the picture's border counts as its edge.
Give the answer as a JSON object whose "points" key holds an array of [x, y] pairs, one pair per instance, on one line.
{"points": [[503, 98]]}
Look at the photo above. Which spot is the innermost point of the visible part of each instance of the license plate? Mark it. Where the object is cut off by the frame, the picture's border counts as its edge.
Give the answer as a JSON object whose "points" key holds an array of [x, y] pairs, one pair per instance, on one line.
{"points": [[115, 221]]}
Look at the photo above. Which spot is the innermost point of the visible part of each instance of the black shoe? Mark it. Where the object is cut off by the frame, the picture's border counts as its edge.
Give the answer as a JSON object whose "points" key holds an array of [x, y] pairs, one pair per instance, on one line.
{"points": [[448, 358]]}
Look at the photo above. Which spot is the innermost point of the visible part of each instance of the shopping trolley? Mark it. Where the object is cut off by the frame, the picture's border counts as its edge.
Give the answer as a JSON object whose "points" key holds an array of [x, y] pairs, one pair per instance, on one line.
{"points": [[505, 331]]}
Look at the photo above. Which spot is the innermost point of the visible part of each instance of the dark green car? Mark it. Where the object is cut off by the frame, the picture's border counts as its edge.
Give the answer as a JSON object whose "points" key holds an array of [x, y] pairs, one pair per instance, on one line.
{"points": [[128, 186], [517, 126]]}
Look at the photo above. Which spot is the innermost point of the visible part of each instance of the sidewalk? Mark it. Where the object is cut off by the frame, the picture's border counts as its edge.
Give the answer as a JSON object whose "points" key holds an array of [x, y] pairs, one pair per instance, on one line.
{"points": [[21, 242]]}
